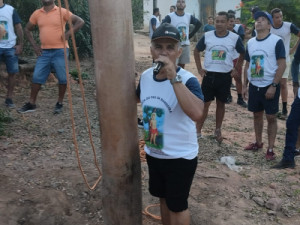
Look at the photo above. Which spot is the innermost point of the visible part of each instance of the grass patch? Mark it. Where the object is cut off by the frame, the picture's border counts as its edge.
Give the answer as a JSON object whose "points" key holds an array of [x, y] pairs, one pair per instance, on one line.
{"points": [[5, 118]]}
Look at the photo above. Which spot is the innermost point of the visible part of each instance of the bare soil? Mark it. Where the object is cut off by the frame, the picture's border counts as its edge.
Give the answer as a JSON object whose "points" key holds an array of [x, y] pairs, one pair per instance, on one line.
{"points": [[40, 183]]}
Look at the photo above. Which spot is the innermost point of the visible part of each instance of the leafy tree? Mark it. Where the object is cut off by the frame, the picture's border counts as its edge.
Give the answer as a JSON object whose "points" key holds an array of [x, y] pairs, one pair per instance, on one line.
{"points": [[290, 9]]}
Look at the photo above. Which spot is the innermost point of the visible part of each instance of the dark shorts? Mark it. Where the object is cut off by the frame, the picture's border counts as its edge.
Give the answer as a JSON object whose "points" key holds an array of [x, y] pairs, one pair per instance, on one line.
{"points": [[8, 56], [216, 85], [171, 179], [257, 101]]}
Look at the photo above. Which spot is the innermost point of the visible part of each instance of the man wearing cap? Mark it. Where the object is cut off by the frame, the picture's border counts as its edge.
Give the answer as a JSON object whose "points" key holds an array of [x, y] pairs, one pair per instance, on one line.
{"points": [[171, 101], [284, 30], [220, 46], [182, 21], [265, 64]]}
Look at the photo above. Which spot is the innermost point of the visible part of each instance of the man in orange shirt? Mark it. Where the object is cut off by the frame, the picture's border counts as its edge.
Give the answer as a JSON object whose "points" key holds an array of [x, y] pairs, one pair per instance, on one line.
{"points": [[51, 52]]}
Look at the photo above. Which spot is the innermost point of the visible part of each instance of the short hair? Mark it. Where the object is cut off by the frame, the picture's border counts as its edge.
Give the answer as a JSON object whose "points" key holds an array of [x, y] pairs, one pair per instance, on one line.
{"points": [[155, 10], [276, 10], [173, 6], [210, 17], [254, 9], [223, 13], [230, 15], [231, 11]]}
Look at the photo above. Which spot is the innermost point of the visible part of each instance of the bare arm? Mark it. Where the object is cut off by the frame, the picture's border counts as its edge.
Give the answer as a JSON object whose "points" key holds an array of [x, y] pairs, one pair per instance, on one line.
{"points": [[77, 23], [279, 72], [293, 49], [245, 84], [19, 33], [28, 33], [238, 66], [197, 58]]}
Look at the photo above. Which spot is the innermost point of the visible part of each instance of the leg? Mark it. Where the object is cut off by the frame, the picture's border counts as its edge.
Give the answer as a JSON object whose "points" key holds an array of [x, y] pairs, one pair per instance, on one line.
{"points": [[258, 126], [220, 112], [180, 218], [272, 130], [11, 85], [35, 88], [200, 123], [284, 94], [165, 212], [61, 92]]}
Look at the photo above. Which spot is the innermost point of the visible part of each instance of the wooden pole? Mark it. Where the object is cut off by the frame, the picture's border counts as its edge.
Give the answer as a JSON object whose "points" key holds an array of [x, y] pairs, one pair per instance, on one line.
{"points": [[112, 32]]}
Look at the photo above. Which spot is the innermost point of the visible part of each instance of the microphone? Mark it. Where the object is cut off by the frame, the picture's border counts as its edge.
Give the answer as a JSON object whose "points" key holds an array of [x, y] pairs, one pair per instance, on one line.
{"points": [[158, 66]]}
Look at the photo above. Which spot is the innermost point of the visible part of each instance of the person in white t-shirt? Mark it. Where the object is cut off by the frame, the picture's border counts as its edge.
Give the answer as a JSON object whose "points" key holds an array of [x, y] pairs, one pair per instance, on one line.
{"points": [[173, 98], [284, 30], [11, 45], [265, 64], [154, 21], [182, 20], [221, 47]]}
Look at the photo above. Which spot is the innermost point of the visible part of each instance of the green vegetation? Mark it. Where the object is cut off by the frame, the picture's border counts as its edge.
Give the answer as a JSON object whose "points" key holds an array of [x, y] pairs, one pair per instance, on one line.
{"points": [[83, 37], [290, 8], [4, 119], [75, 76]]}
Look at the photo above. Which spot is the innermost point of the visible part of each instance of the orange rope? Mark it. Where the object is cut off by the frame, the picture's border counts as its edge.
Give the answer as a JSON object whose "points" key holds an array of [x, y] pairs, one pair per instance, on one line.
{"points": [[146, 212], [83, 98]]}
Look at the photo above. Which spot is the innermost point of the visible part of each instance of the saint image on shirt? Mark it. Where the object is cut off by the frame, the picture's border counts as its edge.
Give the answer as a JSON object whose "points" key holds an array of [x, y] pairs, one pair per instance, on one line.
{"points": [[257, 66]]}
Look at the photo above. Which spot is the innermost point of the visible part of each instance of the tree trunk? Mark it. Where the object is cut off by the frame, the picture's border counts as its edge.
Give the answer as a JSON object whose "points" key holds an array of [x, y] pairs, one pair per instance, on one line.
{"points": [[112, 33]]}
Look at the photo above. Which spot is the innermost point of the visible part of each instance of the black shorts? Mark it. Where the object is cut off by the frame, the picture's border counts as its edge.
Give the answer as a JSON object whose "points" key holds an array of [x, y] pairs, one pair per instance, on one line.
{"points": [[171, 179], [216, 85], [257, 101]]}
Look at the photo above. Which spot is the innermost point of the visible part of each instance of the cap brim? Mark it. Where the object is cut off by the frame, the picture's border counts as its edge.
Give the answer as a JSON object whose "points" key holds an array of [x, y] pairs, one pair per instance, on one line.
{"points": [[165, 37]]}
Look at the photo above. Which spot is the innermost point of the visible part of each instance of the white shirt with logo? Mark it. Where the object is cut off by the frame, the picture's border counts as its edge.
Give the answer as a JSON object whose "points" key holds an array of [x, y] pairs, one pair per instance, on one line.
{"points": [[220, 52], [6, 20], [263, 63], [182, 23], [169, 132]]}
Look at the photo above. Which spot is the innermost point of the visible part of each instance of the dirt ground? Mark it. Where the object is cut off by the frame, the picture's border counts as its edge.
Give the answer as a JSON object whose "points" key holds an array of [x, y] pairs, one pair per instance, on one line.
{"points": [[40, 183]]}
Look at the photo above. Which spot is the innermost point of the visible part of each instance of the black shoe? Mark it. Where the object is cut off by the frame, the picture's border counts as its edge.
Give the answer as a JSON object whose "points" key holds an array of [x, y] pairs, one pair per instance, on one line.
{"points": [[229, 99], [242, 103], [58, 108], [140, 123], [27, 107], [9, 103], [284, 164]]}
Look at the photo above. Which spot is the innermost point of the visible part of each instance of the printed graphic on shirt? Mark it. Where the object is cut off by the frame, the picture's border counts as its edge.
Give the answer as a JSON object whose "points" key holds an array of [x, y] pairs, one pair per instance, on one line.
{"points": [[182, 32], [3, 30], [153, 127], [218, 55], [257, 66]]}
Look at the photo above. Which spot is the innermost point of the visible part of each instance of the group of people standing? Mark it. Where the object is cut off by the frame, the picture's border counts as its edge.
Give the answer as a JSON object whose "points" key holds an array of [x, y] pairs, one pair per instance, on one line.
{"points": [[50, 53], [265, 74]]}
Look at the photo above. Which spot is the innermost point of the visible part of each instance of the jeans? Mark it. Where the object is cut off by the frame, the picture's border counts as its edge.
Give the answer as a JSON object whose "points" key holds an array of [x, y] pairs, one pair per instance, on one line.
{"points": [[50, 59], [292, 124], [8, 56], [295, 69]]}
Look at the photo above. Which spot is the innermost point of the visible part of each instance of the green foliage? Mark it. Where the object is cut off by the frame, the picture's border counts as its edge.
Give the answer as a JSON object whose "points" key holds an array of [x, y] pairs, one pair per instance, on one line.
{"points": [[75, 76], [290, 9], [80, 8], [137, 13], [4, 119]]}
